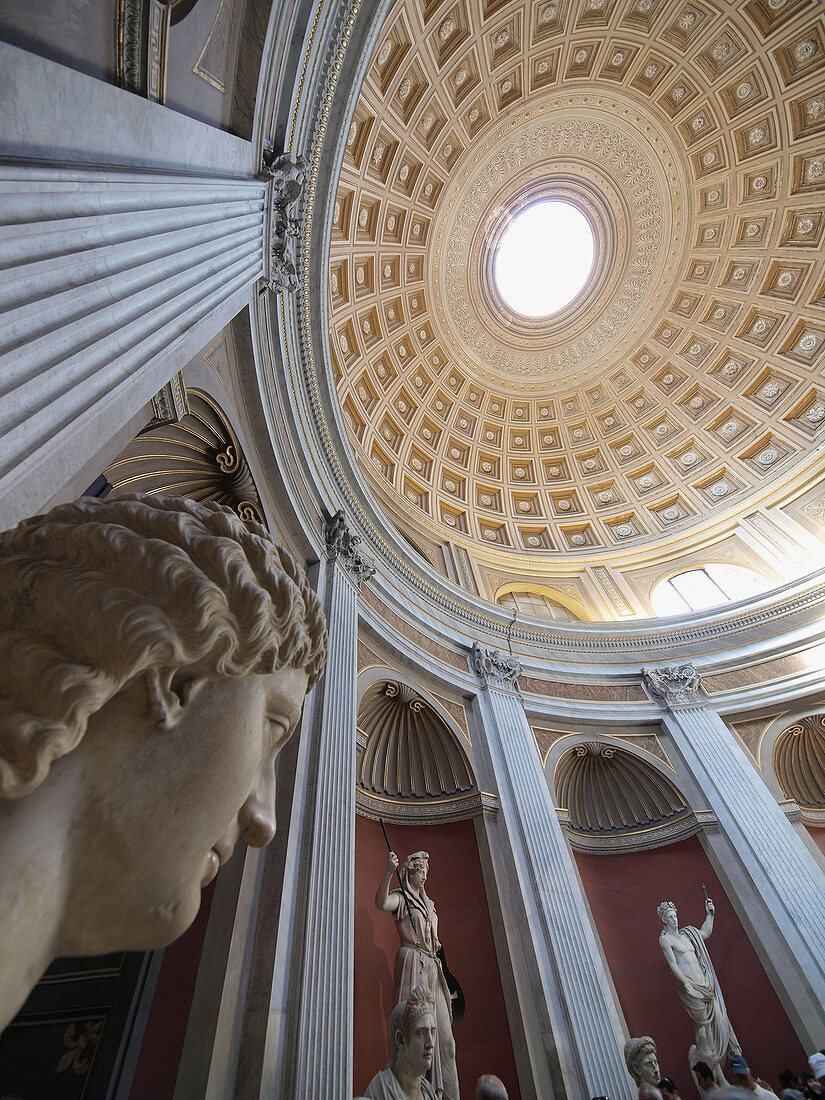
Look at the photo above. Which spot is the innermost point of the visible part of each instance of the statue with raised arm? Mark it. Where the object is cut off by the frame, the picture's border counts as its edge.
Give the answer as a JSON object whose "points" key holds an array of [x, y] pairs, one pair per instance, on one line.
{"points": [[687, 956], [417, 962], [154, 657]]}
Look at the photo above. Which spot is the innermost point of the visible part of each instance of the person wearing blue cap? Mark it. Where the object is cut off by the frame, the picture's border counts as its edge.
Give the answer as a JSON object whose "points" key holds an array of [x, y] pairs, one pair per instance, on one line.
{"points": [[744, 1078]]}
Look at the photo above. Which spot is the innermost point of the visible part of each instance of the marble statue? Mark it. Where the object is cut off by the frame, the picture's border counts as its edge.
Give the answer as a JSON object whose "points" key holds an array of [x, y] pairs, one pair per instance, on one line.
{"points": [[154, 657], [687, 956], [642, 1062], [412, 1038], [416, 962]]}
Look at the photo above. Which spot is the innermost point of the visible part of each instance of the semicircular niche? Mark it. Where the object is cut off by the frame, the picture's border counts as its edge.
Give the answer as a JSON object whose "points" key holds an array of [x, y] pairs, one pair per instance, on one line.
{"points": [[197, 457], [799, 761], [410, 756], [608, 792]]}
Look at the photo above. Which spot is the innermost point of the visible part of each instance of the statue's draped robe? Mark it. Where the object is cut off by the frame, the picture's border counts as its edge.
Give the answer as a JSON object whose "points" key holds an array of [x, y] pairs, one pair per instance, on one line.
{"points": [[385, 1086], [418, 965], [706, 1007]]}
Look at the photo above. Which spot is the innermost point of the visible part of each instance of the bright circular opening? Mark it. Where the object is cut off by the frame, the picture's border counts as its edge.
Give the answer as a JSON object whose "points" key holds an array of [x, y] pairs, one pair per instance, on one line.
{"points": [[543, 258]]}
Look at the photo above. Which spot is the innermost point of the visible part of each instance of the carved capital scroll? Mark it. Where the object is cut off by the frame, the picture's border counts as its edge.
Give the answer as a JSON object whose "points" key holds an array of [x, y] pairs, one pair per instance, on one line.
{"points": [[494, 669], [287, 176], [675, 685], [342, 545]]}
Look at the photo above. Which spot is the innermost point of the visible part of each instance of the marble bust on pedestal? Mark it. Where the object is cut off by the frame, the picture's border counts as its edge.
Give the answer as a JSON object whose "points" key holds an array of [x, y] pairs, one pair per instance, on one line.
{"points": [[412, 1037], [154, 657], [641, 1060]]}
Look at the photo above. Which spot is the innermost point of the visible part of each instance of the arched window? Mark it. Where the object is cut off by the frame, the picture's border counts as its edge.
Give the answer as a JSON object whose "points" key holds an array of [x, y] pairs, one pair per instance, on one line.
{"points": [[707, 586], [536, 604]]}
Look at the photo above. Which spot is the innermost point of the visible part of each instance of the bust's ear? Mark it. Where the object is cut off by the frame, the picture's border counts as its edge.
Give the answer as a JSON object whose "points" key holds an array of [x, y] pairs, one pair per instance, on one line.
{"points": [[168, 692]]}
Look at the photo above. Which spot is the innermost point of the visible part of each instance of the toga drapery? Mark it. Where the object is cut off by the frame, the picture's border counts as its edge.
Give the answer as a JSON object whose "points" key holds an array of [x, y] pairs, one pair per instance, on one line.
{"points": [[706, 1006]]}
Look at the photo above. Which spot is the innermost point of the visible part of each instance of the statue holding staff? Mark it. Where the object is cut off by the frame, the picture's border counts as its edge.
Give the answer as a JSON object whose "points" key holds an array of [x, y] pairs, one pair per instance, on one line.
{"points": [[417, 962], [687, 956]]}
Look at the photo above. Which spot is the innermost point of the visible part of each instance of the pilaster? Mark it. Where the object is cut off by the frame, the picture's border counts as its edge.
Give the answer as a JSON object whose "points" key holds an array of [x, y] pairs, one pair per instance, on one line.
{"points": [[777, 885], [578, 1034], [316, 1039]]}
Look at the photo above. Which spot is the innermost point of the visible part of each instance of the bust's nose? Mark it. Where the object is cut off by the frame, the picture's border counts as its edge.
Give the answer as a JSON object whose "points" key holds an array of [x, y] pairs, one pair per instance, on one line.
{"points": [[257, 816]]}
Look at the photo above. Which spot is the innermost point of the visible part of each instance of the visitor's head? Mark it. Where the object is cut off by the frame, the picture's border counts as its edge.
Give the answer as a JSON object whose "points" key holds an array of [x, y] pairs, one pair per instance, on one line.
{"points": [[154, 657], [740, 1070], [704, 1075], [490, 1087], [413, 1031], [668, 1089]]}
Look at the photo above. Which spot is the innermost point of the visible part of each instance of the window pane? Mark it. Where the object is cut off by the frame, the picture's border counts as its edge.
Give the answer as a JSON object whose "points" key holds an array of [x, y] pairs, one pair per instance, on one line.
{"points": [[698, 589], [667, 601]]}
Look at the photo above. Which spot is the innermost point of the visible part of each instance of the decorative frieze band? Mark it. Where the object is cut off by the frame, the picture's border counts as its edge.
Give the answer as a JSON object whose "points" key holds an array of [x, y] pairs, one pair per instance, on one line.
{"points": [[675, 685], [494, 669]]}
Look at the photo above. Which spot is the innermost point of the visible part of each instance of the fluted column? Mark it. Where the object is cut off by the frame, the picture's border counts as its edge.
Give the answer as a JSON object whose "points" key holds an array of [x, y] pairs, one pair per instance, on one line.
{"points": [[776, 883], [323, 1039], [571, 990], [130, 235]]}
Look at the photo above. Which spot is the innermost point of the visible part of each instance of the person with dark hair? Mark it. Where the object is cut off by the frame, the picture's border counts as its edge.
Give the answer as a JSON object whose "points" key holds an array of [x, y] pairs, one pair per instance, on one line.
{"points": [[791, 1086], [811, 1088], [668, 1089], [705, 1081]]}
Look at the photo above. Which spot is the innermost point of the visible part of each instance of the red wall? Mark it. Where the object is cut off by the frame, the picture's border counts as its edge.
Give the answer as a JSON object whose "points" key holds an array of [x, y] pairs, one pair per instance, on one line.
{"points": [[456, 886], [624, 891], [818, 837], [160, 1051]]}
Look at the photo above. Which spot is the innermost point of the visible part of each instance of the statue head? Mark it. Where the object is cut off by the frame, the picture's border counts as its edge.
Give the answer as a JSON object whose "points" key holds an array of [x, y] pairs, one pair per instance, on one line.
{"points": [[154, 656], [413, 1031], [642, 1063], [666, 911], [415, 869]]}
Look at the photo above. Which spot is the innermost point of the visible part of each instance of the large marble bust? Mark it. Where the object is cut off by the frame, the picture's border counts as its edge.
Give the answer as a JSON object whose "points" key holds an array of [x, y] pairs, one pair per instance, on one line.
{"points": [[154, 657], [412, 1037]]}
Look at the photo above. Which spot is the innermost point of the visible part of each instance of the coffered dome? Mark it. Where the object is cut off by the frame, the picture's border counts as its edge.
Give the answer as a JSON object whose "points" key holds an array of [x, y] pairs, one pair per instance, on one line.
{"points": [[682, 385]]}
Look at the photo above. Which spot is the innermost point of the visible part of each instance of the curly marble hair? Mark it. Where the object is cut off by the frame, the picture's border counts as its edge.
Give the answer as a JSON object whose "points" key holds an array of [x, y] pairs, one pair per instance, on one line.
{"points": [[407, 1013], [663, 907], [95, 592]]}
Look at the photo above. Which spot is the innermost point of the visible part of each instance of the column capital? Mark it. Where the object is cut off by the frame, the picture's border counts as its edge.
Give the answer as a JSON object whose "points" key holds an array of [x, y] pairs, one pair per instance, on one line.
{"points": [[494, 669], [675, 685], [286, 176], [342, 546]]}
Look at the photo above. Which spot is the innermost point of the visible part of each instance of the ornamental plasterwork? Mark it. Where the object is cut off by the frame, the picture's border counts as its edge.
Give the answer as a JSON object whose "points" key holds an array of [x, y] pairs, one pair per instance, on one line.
{"points": [[710, 400], [580, 140], [342, 545], [495, 669], [674, 685]]}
